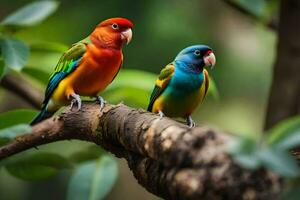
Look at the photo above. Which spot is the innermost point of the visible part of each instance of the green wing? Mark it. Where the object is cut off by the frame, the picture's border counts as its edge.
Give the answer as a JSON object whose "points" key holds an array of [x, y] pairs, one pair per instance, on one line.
{"points": [[161, 83], [65, 66]]}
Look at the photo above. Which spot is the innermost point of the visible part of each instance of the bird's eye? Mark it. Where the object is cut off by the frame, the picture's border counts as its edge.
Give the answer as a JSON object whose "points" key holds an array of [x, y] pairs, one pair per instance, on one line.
{"points": [[197, 52], [115, 26]]}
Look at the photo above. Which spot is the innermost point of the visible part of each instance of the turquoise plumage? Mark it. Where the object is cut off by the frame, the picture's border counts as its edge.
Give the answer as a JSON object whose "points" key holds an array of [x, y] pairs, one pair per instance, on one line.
{"points": [[183, 84]]}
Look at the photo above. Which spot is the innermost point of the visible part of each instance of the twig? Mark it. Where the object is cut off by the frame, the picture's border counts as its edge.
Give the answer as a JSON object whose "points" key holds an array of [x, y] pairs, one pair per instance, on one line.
{"points": [[23, 89], [272, 24]]}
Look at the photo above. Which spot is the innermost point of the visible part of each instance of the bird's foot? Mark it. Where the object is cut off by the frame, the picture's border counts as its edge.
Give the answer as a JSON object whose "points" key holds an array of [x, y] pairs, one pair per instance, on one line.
{"points": [[75, 101], [190, 122], [101, 101], [160, 114]]}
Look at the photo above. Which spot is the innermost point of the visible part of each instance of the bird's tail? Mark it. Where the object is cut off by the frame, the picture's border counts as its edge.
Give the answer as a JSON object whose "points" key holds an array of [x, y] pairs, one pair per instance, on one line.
{"points": [[150, 107], [44, 114]]}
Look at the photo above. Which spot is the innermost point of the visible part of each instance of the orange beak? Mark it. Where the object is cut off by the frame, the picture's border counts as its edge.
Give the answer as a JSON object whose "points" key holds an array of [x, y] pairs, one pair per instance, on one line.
{"points": [[126, 35]]}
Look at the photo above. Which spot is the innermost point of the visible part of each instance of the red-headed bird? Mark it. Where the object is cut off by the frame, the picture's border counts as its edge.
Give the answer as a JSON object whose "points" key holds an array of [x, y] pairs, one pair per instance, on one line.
{"points": [[87, 68], [183, 84]]}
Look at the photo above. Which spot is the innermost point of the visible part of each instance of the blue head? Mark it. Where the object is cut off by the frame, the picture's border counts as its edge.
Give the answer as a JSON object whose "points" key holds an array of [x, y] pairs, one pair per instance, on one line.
{"points": [[195, 58]]}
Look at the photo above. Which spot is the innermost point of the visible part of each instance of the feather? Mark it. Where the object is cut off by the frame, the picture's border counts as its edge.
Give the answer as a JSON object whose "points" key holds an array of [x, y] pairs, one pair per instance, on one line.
{"points": [[161, 83], [66, 65]]}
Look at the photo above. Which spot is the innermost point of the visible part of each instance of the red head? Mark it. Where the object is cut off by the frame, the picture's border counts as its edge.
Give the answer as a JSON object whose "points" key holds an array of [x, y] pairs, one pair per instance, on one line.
{"points": [[113, 33]]}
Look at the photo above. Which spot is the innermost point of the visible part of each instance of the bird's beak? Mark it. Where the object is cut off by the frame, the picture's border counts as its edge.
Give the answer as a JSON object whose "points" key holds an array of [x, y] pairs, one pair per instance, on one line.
{"points": [[126, 35], [210, 59]]}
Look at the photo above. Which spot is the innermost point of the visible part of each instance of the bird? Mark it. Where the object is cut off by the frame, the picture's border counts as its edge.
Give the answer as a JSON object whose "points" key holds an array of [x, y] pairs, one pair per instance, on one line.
{"points": [[87, 67], [182, 85]]}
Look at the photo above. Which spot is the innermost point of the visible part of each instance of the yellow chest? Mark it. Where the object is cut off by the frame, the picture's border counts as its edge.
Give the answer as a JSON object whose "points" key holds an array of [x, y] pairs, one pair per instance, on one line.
{"points": [[182, 107]]}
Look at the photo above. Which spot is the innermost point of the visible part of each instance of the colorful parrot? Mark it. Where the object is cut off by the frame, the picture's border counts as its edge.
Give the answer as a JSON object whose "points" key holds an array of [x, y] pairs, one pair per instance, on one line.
{"points": [[183, 84], [87, 68]]}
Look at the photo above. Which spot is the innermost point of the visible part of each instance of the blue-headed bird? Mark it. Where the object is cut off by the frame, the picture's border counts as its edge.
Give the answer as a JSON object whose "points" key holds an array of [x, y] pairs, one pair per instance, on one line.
{"points": [[182, 85]]}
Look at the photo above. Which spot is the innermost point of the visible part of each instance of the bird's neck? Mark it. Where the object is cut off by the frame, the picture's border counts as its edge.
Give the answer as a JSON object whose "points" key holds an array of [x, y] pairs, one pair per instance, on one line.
{"points": [[189, 67], [106, 43], [186, 81]]}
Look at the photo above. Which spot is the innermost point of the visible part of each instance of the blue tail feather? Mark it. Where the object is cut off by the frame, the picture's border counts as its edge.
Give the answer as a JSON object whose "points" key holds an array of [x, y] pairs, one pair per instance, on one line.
{"points": [[44, 114]]}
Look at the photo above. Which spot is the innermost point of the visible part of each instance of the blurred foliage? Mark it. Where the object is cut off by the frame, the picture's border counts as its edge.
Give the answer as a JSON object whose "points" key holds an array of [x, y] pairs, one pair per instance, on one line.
{"points": [[93, 180], [1, 68], [15, 52], [44, 46], [30, 15], [253, 154], [36, 166], [256, 6], [12, 132], [15, 117], [272, 151], [285, 133], [259, 8], [89, 153], [292, 193]]}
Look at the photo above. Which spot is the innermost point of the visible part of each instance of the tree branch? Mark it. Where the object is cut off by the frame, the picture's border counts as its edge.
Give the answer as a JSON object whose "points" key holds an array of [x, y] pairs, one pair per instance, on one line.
{"points": [[272, 24], [23, 89], [167, 158]]}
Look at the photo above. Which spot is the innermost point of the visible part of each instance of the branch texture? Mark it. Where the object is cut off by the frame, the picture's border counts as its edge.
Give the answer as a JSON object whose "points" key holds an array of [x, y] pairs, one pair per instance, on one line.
{"points": [[167, 158]]}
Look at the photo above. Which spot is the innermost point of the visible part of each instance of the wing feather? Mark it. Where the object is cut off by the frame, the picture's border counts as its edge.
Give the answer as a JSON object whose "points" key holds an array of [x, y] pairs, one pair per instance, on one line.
{"points": [[65, 66], [161, 83]]}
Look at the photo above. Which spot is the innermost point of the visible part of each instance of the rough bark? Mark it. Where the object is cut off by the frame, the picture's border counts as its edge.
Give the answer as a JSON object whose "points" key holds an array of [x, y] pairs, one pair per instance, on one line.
{"points": [[284, 100], [167, 158]]}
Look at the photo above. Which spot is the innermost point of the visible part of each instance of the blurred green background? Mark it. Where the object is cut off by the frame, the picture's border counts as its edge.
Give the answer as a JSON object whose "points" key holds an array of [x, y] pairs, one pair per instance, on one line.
{"points": [[244, 50]]}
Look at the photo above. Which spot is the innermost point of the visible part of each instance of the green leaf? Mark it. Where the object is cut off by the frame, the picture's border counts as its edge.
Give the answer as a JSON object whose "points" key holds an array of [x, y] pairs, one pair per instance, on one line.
{"points": [[90, 153], [38, 74], [244, 152], [292, 193], [48, 47], [37, 166], [126, 86], [2, 68], [128, 96], [289, 142], [10, 133], [283, 129], [255, 7], [31, 14], [93, 180], [242, 145], [15, 53], [128, 78], [14, 117], [247, 161], [213, 89], [280, 162]]}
